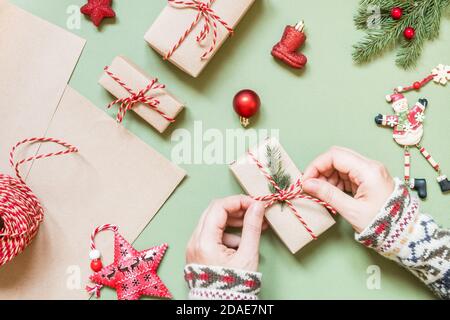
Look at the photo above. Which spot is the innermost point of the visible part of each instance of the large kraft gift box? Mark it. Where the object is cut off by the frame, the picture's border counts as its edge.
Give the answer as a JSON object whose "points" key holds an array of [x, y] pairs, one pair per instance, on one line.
{"points": [[136, 80], [176, 19], [280, 216]]}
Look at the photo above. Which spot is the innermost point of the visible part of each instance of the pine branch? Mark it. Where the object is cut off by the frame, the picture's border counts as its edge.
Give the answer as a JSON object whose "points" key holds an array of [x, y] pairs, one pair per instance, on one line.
{"points": [[377, 41], [276, 169], [361, 18], [411, 50], [424, 15]]}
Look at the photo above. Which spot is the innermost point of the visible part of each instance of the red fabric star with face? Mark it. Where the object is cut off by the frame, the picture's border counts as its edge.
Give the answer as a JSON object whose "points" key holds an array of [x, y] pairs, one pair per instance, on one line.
{"points": [[133, 273], [98, 10]]}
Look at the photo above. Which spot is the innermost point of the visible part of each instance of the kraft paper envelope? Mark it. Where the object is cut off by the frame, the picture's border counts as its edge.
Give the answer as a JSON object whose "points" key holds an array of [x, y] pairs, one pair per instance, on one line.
{"points": [[115, 178], [36, 62]]}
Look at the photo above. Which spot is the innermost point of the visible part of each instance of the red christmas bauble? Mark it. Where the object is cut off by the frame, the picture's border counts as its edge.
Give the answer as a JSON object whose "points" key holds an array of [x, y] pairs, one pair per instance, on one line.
{"points": [[396, 13], [246, 103], [409, 33], [96, 265]]}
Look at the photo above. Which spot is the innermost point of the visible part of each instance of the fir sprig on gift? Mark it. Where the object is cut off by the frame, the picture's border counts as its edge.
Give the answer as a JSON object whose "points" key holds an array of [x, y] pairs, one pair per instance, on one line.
{"points": [[276, 169], [385, 32]]}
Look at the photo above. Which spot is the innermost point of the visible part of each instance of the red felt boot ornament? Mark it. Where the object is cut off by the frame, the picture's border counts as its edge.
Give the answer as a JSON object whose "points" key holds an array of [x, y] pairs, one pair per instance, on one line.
{"points": [[286, 50]]}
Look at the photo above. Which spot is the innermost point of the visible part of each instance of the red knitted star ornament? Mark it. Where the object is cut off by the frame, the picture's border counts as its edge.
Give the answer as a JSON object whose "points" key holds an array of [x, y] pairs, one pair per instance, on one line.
{"points": [[133, 273], [97, 10]]}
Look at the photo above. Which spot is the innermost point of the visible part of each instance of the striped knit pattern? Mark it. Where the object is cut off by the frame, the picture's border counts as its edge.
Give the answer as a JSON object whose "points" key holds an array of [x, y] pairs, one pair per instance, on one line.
{"points": [[217, 283], [414, 240]]}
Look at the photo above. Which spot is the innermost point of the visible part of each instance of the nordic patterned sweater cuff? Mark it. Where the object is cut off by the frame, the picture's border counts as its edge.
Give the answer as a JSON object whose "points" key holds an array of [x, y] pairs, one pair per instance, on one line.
{"points": [[218, 283], [414, 240], [389, 227]]}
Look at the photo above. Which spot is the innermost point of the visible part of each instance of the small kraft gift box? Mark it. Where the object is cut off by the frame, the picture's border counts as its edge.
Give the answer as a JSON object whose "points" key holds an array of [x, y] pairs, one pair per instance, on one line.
{"points": [[268, 174], [189, 33], [137, 91]]}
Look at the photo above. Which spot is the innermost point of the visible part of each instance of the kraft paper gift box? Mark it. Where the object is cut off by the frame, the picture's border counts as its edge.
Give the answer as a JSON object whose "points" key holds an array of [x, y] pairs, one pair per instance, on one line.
{"points": [[175, 19], [136, 79], [280, 216]]}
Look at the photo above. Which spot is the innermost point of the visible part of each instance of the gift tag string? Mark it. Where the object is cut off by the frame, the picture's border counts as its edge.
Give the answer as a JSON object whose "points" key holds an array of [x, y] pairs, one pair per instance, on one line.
{"points": [[95, 289], [105, 227]]}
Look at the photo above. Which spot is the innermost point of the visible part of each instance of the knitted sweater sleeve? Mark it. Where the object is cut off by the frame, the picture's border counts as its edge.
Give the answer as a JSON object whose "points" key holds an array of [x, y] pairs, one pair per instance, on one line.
{"points": [[414, 240], [218, 283]]}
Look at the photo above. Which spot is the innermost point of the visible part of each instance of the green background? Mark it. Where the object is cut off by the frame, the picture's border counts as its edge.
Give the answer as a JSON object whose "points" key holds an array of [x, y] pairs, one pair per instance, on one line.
{"points": [[331, 102]]}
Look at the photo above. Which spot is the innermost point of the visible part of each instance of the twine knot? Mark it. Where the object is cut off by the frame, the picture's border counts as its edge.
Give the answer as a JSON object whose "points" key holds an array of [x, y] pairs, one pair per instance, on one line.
{"points": [[293, 192], [205, 11], [142, 96], [201, 6]]}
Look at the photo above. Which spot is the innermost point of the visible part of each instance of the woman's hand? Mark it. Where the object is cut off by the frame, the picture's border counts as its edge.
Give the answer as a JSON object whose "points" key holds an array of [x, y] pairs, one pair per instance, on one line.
{"points": [[340, 172], [211, 245]]}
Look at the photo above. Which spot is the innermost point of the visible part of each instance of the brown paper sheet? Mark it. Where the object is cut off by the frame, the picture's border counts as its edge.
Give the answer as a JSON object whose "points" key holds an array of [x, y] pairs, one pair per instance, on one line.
{"points": [[281, 218], [36, 62], [172, 23], [115, 178], [136, 79]]}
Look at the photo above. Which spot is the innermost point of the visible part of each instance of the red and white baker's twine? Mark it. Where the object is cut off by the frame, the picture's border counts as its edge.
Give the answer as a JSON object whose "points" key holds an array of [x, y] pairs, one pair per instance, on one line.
{"points": [[211, 20], [128, 103], [109, 227], [20, 209], [96, 288], [295, 191]]}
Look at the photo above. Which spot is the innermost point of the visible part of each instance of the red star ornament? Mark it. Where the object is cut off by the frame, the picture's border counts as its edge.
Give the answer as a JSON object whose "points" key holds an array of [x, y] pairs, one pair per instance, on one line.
{"points": [[97, 10], [133, 273]]}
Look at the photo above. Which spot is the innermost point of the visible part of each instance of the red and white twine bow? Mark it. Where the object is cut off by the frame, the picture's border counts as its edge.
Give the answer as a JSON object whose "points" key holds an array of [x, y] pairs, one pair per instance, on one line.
{"points": [[211, 20], [293, 192], [20, 209], [141, 96]]}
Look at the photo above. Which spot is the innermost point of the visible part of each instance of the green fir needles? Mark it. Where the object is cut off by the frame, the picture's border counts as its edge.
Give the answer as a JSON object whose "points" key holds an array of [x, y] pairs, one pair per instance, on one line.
{"points": [[384, 32], [276, 169]]}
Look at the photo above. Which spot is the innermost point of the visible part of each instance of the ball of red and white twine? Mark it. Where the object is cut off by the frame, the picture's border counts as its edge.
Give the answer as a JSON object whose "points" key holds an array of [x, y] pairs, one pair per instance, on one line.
{"points": [[20, 210]]}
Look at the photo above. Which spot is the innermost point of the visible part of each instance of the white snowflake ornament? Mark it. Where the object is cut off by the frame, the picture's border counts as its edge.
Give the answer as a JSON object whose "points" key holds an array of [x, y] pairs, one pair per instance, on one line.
{"points": [[420, 117], [392, 123], [442, 74]]}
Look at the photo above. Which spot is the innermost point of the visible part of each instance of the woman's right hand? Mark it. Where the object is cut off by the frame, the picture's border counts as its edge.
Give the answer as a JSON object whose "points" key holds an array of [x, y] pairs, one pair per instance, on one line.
{"points": [[355, 186]]}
